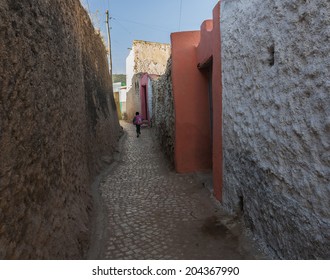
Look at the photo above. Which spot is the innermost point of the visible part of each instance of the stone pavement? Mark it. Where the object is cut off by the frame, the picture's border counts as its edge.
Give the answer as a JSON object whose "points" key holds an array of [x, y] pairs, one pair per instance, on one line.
{"points": [[154, 213]]}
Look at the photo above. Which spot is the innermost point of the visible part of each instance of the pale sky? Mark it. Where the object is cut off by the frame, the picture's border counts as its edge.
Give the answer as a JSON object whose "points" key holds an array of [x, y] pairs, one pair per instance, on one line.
{"points": [[148, 20]]}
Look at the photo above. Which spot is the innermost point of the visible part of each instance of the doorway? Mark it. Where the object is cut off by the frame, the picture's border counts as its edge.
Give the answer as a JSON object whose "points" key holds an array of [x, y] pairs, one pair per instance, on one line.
{"points": [[209, 80], [207, 71], [144, 102]]}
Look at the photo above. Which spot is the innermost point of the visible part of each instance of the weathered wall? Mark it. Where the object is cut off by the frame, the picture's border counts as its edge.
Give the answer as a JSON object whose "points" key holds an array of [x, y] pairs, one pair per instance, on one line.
{"points": [[57, 119], [133, 102], [145, 57], [276, 67], [150, 57], [163, 111]]}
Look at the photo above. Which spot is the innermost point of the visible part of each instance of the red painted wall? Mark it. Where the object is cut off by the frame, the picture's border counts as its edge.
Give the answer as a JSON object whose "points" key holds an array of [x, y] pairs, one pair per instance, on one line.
{"points": [[193, 53], [210, 48], [192, 121], [144, 97], [205, 46]]}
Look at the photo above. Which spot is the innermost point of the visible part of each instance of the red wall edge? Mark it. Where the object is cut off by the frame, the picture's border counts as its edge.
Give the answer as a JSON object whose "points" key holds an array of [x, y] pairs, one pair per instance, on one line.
{"points": [[191, 50], [192, 121]]}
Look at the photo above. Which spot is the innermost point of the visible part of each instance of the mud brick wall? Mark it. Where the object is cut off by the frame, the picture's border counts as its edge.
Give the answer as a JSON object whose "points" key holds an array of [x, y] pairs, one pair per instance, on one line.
{"points": [[276, 124], [150, 57], [163, 111], [133, 100], [57, 122]]}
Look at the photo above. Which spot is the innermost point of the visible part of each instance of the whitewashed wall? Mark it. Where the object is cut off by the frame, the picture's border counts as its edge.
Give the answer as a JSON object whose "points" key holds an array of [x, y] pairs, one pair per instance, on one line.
{"points": [[276, 121], [122, 94], [116, 86], [129, 69]]}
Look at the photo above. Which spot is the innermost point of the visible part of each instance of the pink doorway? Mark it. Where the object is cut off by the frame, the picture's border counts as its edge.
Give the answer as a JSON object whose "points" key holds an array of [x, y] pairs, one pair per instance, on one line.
{"points": [[144, 102]]}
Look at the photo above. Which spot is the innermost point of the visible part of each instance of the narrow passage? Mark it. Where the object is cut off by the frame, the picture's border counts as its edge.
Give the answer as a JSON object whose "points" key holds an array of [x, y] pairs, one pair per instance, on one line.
{"points": [[154, 213]]}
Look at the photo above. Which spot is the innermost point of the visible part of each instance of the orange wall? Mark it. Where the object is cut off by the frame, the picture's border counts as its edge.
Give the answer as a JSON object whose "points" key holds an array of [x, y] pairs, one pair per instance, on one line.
{"points": [[192, 121], [191, 51], [210, 47], [205, 46]]}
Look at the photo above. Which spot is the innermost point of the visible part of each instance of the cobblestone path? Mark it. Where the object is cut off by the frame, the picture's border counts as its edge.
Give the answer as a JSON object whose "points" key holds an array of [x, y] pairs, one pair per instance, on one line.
{"points": [[154, 213]]}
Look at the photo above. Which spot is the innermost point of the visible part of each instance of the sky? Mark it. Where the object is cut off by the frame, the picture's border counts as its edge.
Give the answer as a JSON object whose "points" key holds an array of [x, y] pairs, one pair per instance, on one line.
{"points": [[148, 20]]}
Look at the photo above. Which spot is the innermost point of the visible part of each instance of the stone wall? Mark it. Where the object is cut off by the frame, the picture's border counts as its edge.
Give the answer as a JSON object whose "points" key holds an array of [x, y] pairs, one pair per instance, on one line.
{"points": [[150, 57], [276, 124], [57, 122], [163, 112], [145, 57], [133, 102]]}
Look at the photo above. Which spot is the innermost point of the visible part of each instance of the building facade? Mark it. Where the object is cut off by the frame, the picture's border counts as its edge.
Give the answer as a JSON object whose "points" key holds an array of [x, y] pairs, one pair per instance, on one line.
{"points": [[196, 77], [146, 60], [251, 103]]}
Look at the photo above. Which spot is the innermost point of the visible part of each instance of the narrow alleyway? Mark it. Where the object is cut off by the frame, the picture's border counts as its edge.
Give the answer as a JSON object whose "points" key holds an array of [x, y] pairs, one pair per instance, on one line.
{"points": [[154, 213]]}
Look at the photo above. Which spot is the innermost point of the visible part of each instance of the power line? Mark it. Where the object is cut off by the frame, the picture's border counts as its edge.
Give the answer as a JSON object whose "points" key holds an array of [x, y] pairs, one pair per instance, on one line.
{"points": [[122, 26], [180, 15], [155, 27]]}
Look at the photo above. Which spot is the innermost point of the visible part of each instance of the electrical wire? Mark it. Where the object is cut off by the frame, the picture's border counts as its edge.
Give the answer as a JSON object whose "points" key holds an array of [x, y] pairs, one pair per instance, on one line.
{"points": [[122, 26], [180, 15], [155, 27]]}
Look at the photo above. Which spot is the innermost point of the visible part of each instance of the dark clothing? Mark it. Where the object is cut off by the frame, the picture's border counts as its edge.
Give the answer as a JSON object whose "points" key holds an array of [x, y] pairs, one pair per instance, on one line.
{"points": [[138, 129]]}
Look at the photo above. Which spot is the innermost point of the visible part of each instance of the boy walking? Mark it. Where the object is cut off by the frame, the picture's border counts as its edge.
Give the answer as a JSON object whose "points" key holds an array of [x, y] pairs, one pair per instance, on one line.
{"points": [[138, 121]]}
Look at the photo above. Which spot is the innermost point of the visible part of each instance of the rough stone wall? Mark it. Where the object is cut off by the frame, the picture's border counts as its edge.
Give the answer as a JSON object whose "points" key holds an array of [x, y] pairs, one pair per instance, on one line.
{"points": [[145, 57], [133, 102], [163, 112], [276, 124], [57, 121], [150, 57]]}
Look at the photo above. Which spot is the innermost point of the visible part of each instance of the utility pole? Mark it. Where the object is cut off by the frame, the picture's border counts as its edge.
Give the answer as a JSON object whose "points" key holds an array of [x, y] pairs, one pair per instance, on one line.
{"points": [[109, 43]]}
